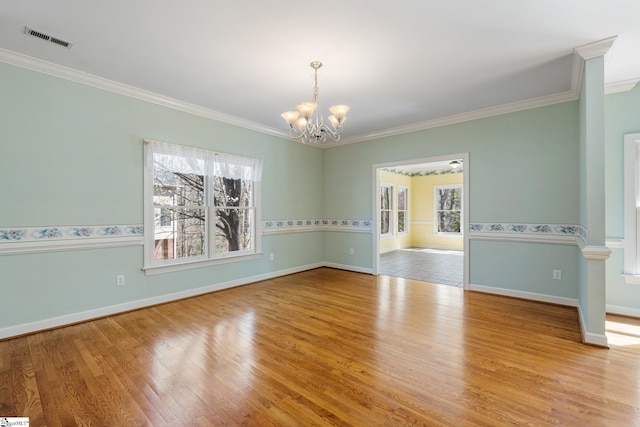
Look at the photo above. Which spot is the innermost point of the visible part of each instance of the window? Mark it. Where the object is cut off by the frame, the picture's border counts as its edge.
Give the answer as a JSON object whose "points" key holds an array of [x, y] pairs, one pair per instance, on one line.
{"points": [[386, 209], [199, 205], [448, 208], [632, 208], [403, 210]]}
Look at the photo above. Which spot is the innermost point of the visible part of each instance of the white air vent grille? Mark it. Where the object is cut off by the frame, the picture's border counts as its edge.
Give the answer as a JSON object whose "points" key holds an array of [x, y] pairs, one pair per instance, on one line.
{"points": [[39, 34]]}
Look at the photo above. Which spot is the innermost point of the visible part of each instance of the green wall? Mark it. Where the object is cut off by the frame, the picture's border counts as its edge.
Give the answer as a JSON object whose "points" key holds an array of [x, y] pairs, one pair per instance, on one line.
{"points": [[536, 149], [71, 154], [621, 117]]}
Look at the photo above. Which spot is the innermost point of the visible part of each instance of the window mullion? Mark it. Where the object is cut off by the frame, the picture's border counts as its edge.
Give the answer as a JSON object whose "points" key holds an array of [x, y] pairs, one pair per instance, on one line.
{"points": [[192, 216], [210, 217]]}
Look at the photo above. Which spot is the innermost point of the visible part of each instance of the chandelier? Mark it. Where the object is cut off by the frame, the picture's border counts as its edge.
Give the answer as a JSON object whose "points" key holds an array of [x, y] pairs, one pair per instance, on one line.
{"points": [[309, 124]]}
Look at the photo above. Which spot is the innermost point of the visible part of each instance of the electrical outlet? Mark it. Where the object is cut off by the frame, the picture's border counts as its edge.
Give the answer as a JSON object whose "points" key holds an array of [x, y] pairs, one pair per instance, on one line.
{"points": [[120, 280], [271, 256], [350, 251], [557, 274]]}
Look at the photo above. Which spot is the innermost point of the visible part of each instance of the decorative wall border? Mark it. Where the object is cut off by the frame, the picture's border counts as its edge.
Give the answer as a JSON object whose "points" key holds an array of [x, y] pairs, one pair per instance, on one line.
{"points": [[20, 240], [17, 240], [307, 225], [521, 231], [432, 172], [529, 229], [39, 234]]}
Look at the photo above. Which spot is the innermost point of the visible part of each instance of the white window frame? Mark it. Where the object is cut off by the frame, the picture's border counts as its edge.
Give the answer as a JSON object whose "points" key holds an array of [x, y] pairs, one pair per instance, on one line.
{"points": [[436, 232], [155, 266], [391, 210], [632, 208], [405, 210]]}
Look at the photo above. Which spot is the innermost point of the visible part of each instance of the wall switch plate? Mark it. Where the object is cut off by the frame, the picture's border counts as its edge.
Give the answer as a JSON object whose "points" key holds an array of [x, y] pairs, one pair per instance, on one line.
{"points": [[271, 256], [350, 251], [557, 274], [120, 280]]}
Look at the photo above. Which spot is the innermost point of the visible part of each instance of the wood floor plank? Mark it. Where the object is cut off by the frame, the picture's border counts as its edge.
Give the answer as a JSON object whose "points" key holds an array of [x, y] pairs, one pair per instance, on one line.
{"points": [[25, 390], [327, 347], [55, 412]]}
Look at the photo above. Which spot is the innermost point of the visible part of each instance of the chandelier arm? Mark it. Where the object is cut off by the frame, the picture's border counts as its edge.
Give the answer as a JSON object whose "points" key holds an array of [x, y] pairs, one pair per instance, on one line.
{"points": [[310, 127], [333, 134]]}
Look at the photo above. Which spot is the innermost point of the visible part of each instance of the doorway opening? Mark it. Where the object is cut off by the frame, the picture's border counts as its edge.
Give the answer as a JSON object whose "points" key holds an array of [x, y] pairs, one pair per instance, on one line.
{"points": [[421, 219]]}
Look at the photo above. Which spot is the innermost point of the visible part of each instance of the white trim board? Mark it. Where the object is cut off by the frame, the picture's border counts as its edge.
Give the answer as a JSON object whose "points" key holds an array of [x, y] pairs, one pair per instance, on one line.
{"points": [[65, 320], [619, 87], [70, 74], [67, 245], [623, 311], [589, 50], [587, 337], [83, 316], [551, 299], [346, 267], [437, 248], [631, 212]]}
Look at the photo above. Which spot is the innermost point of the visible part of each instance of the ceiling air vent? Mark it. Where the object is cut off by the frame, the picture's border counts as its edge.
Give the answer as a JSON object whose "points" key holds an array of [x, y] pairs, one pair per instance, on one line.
{"points": [[39, 34]]}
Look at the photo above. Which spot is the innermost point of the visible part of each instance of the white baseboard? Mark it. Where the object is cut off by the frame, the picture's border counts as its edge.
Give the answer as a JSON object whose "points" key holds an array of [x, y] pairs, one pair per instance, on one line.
{"points": [[588, 337], [384, 251], [623, 311], [27, 328], [56, 322], [348, 267], [439, 248], [571, 302]]}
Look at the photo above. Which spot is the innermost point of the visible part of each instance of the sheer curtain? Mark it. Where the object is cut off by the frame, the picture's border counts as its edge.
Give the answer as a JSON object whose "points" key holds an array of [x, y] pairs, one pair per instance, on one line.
{"points": [[236, 167], [178, 158]]}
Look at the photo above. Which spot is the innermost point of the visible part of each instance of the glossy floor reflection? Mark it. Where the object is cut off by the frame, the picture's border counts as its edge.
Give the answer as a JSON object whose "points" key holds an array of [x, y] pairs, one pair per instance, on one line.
{"points": [[443, 267], [327, 347]]}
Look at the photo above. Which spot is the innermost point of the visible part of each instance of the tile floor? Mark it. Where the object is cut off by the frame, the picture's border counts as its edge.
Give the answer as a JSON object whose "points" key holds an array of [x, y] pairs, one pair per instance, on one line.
{"points": [[430, 265]]}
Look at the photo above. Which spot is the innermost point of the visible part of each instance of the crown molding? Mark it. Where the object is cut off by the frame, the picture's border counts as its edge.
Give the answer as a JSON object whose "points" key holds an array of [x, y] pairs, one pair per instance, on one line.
{"points": [[570, 95], [81, 77], [580, 54], [595, 49], [621, 86]]}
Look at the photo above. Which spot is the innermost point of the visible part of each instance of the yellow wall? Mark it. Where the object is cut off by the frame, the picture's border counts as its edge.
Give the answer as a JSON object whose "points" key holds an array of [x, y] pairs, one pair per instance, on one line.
{"points": [[421, 211], [399, 240]]}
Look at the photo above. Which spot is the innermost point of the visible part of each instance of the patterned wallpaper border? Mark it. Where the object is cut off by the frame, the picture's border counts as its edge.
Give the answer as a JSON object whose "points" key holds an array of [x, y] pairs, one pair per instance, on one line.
{"points": [[298, 225], [84, 232], [529, 229], [447, 171], [13, 235], [74, 232]]}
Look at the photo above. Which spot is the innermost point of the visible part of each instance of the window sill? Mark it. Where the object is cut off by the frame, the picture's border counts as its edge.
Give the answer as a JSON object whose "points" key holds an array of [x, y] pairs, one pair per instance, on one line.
{"points": [[631, 279], [159, 269]]}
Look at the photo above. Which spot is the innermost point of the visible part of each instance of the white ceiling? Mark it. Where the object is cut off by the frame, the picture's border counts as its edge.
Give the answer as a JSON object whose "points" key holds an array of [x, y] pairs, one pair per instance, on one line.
{"points": [[397, 64]]}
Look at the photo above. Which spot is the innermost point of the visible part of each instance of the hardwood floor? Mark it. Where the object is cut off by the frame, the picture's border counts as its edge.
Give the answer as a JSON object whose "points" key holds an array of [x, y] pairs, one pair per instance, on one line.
{"points": [[327, 347]]}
